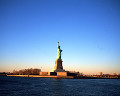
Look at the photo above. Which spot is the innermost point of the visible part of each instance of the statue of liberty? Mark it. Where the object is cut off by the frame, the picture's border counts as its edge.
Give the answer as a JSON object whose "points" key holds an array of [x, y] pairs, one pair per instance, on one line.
{"points": [[58, 51]]}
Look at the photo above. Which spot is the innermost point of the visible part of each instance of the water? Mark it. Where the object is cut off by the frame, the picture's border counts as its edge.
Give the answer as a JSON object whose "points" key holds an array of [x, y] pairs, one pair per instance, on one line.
{"points": [[23, 86]]}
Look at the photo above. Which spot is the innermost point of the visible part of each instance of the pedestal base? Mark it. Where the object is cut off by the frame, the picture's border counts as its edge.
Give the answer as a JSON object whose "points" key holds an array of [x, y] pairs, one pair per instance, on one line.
{"points": [[59, 70], [58, 64]]}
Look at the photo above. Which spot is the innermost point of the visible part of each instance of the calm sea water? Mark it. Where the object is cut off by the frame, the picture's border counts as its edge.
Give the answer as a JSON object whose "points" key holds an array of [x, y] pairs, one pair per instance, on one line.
{"points": [[23, 86]]}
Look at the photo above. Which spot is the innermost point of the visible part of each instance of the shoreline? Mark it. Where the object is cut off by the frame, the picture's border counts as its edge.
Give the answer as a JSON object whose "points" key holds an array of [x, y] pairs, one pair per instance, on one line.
{"points": [[60, 77], [39, 76]]}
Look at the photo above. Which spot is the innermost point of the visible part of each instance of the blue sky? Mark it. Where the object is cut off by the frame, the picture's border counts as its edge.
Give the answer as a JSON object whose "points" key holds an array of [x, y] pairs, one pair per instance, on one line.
{"points": [[88, 32]]}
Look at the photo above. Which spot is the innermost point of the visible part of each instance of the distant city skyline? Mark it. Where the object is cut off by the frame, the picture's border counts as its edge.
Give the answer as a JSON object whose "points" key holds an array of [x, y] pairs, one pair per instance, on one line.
{"points": [[88, 32]]}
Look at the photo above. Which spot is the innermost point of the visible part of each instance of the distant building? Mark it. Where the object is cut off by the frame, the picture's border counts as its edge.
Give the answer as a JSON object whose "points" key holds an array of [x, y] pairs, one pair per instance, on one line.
{"points": [[3, 73], [114, 74], [99, 73]]}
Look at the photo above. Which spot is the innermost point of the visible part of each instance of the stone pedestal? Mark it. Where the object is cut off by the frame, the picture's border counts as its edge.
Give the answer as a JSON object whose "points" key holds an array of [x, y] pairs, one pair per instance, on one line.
{"points": [[58, 64]]}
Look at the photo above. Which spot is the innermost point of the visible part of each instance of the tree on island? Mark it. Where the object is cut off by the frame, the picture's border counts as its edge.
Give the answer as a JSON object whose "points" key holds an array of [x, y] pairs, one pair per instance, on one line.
{"points": [[27, 72]]}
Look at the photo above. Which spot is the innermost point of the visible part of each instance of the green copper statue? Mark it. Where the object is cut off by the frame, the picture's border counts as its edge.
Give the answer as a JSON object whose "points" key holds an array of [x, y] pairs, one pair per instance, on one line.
{"points": [[58, 51]]}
